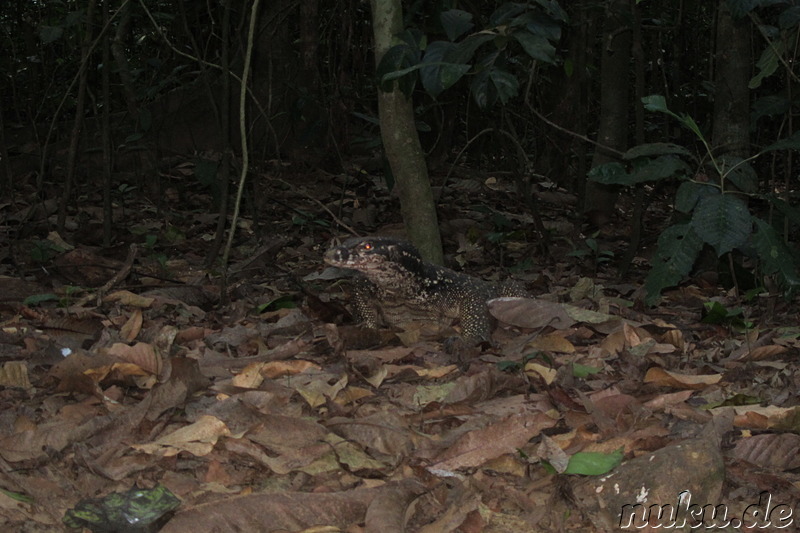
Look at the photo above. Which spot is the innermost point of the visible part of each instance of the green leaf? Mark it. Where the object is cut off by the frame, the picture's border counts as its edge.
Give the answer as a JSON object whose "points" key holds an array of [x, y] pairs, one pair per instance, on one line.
{"points": [[505, 13], [716, 313], [583, 371], [493, 84], [456, 23], [662, 167], [644, 150], [24, 498], [536, 46], [790, 18], [466, 49], [656, 102], [690, 192], [438, 70], [723, 221], [676, 252], [789, 143], [769, 106], [739, 172], [593, 463], [610, 174], [768, 63], [791, 213], [36, 299], [399, 63], [775, 255], [665, 166]]}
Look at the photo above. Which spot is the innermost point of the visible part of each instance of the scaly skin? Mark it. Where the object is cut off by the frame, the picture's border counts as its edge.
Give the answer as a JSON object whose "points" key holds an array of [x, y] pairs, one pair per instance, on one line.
{"points": [[395, 286]]}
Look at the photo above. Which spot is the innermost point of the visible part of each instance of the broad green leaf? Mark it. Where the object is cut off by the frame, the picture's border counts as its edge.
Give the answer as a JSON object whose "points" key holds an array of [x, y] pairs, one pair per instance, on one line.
{"points": [[493, 84], [789, 143], [398, 63], [504, 13], [665, 166], [791, 213], [769, 106], [536, 46], [610, 174], [768, 63], [466, 49], [790, 18], [439, 71], [690, 192], [716, 313], [723, 221], [656, 102], [775, 255], [456, 23], [553, 8], [739, 172], [540, 24], [644, 170], [650, 149], [676, 252], [593, 463]]}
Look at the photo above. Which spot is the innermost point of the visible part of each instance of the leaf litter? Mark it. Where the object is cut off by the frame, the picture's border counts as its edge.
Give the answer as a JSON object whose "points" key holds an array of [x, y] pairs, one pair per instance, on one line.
{"points": [[262, 417]]}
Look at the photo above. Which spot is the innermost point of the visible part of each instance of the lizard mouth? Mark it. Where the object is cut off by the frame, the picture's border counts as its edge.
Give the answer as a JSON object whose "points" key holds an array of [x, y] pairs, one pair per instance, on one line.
{"points": [[334, 258]]}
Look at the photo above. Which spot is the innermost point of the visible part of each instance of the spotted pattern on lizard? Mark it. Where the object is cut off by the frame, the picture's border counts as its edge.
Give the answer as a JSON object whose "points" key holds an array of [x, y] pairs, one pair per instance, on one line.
{"points": [[394, 285]]}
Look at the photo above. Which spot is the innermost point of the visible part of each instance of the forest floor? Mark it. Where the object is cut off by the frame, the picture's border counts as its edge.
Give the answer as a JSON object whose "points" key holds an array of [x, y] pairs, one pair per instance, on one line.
{"points": [[268, 410]]}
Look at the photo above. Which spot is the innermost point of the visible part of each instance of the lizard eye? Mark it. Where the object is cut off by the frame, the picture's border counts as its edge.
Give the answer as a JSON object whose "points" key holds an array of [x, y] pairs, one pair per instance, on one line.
{"points": [[367, 246]]}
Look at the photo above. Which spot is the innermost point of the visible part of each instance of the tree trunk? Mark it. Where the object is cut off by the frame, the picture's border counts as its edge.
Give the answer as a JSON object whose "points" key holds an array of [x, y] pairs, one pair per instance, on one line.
{"points": [[77, 124], [612, 130], [731, 76], [401, 143]]}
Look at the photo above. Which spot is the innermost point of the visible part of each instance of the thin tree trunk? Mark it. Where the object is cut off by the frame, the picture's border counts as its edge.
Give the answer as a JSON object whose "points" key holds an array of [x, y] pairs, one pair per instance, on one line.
{"points": [[731, 75], [224, 174], [612, 131], [108, 213], [77, 123], [401, 143], [124, 71]]}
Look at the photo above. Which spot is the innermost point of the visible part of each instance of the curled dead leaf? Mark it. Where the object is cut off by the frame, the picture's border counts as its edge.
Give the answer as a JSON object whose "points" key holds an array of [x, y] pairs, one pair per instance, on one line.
{"points": [[665, 378]]}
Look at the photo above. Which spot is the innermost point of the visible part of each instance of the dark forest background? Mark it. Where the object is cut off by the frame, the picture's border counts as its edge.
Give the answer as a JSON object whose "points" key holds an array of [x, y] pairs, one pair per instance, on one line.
{"points": [[686, 107]]}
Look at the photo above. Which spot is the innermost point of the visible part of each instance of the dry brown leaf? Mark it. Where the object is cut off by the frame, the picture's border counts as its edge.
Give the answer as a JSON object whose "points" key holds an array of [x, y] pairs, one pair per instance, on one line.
{"points": [[352, 395], [779, 451], [763, 352], [663, 401], [129, 298], [250, 377], [758, 417], [529, 313], [552, 343], [276, 369], [614, 343], [15, 374], [140, 354], [130, 330], [475, 447], [665, 378], [290, 511], [198, 438], [547, 374]]}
